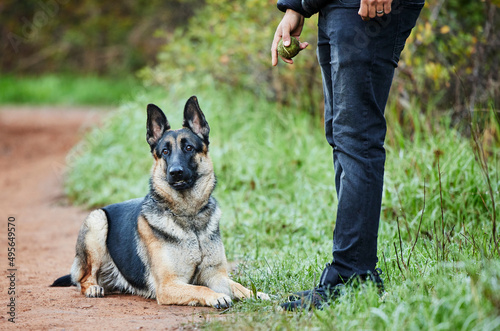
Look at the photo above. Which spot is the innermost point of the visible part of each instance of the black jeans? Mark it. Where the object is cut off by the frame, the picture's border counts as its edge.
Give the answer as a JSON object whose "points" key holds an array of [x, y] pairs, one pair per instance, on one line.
{"points": [[358, 59]]}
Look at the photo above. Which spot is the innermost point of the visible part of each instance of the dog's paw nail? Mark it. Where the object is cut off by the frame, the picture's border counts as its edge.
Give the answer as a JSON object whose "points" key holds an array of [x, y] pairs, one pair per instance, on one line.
{"points": [[223, 302], [94, 291]]}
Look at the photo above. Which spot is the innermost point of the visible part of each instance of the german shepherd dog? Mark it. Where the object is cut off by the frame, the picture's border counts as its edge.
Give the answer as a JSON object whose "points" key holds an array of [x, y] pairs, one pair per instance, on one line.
{"points": [[167, 245]]}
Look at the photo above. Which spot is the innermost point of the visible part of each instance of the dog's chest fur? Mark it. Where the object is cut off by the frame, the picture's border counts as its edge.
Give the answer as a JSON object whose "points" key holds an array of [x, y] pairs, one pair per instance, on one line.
{"points": [[189, 242]]}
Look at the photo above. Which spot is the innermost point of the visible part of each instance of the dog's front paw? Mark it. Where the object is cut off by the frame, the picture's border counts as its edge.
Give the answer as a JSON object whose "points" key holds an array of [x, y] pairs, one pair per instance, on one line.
{"points": [[94, 291], [263, 296], [221, 301]]}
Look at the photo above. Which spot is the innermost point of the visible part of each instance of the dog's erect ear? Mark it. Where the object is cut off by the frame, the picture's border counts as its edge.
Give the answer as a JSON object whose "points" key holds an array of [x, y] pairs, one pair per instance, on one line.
{"points": [[156, 126], [195, 120]]}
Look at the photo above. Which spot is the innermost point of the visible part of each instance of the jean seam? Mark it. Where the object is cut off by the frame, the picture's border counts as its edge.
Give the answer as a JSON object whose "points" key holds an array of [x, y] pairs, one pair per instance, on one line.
{"points": [[369, 82], [397, 42]]}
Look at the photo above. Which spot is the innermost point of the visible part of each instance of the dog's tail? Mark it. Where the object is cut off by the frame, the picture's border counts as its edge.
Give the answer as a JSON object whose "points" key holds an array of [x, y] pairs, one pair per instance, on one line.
{"points": [[63, 281]]}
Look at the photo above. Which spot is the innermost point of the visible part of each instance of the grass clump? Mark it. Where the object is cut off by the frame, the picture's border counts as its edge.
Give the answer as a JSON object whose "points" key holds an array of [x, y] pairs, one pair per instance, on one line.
{"points": [[276, 189]]}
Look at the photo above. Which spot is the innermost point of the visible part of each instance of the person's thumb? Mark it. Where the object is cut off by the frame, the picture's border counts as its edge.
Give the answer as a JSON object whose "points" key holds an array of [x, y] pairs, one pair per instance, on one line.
{"points": [[286, 38]]}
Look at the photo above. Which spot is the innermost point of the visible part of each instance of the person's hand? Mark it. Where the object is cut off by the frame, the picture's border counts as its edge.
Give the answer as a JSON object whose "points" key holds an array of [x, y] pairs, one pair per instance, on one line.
{"points": [[373, 8], [291, 25]]}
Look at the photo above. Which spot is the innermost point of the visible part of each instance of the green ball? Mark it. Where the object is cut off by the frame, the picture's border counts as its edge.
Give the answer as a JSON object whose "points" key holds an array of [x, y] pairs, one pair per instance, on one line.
{"points": [[290, 51]]}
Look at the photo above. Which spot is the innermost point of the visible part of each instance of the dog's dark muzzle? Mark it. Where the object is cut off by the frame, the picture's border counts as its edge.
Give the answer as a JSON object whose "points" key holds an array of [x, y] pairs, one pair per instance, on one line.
{"points": [[179, 178]]}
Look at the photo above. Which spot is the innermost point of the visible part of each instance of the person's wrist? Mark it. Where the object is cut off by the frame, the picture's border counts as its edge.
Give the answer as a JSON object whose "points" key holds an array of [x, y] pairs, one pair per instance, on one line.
{"points": [[293, 12]]}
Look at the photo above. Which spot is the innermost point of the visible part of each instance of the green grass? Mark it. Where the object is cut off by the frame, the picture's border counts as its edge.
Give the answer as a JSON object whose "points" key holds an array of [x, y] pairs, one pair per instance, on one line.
{"points": [[276, 190], [66, 89]]}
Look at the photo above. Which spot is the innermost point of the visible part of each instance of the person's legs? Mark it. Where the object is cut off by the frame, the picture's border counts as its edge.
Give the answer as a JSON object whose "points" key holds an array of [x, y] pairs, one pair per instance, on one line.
{"points": [[357, 60]]}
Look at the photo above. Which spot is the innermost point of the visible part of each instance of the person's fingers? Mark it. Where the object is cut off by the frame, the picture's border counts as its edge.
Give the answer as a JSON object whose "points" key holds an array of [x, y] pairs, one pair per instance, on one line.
{"points": [[303, 45], [274, 48], [379, 10], [387, 7], [363, 10], [372, 11], [285, 35], [373, 8], [274, 56]]}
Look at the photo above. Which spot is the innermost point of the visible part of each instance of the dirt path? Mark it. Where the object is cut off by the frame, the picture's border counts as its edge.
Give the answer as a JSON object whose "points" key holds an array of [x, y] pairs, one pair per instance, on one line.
{"points": [[33, 146]]}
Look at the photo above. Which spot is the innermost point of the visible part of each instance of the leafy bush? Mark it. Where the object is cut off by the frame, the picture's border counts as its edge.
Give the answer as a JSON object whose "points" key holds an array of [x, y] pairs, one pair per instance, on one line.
{"points": [[86, 36], [230, 42], [451, 58]]}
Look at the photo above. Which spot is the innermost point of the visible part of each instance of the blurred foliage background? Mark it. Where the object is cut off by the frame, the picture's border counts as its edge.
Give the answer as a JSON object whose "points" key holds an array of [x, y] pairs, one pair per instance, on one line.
{"points": [[451, 63], [88, 36], [450, 67]]}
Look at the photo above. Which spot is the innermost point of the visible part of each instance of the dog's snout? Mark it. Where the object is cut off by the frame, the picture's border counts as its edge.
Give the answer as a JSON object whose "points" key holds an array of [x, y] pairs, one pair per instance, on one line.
{"points": [[176, 172]]}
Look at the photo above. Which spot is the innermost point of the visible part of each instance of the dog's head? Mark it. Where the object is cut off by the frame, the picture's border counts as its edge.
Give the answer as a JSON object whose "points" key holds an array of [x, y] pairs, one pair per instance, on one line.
{"points": [[181, 156]]}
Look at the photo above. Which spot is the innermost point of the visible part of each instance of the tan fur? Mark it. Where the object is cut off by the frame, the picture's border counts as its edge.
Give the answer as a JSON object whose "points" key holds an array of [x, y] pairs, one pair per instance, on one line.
{"points": [[91, 244], [172, 288]]}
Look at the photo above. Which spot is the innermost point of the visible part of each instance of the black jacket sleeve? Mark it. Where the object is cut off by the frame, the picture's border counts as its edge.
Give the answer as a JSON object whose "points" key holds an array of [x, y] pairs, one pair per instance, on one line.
{"points": [[304, 7]]}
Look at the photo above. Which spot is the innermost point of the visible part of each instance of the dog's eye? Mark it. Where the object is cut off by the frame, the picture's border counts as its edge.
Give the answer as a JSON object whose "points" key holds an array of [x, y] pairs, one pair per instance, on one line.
{"points": [[189, 148], [165, 152]]}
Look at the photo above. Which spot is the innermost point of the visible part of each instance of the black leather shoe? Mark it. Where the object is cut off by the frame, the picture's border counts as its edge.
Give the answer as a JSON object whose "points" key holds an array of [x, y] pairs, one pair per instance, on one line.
{"points": [[375, 278], [329, 278], [319, 297], [313, 299], [299, 295], [371, 276]]}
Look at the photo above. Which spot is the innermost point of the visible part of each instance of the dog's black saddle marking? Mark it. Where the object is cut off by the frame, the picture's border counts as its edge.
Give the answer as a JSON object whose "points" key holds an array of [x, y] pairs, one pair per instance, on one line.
{"points": [[122, 240]]}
